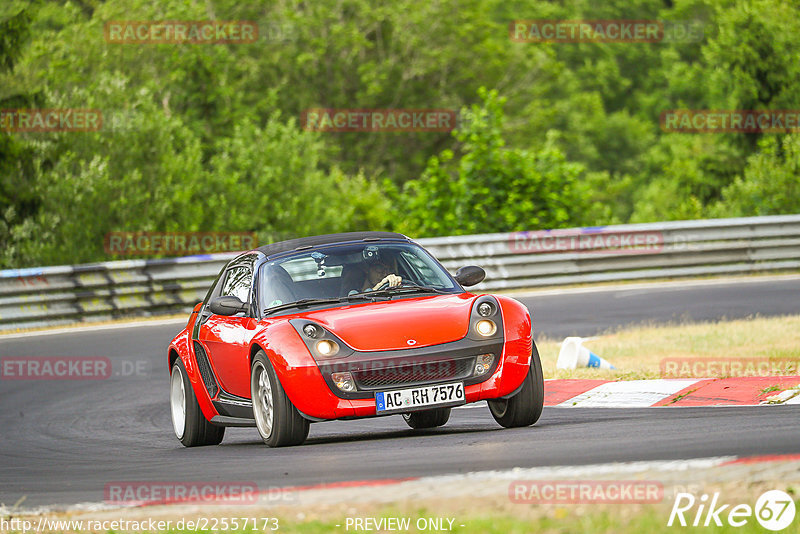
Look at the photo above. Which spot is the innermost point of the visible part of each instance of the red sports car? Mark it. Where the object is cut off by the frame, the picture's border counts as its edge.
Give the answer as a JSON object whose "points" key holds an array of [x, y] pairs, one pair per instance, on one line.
{"points": [[344, 326]]}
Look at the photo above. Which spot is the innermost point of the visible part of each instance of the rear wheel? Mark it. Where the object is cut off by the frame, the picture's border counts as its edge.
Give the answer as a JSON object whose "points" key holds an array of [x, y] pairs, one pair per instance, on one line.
{"points": [[427, 418], [525, 407], [278, 421], [190, 425]]}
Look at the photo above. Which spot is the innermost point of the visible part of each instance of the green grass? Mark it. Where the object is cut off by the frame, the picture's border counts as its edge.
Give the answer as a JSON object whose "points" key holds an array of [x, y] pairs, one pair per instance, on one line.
{"points": [[637, 352]]}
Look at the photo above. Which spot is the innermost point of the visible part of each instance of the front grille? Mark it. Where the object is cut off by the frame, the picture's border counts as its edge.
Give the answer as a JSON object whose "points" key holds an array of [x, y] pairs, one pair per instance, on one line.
{"points": [[415, 373], [205, 370]]}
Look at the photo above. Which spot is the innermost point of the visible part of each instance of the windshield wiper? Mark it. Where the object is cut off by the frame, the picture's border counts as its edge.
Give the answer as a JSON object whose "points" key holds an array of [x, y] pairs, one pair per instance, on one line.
{"points": [[407, 288], [302, 303]]}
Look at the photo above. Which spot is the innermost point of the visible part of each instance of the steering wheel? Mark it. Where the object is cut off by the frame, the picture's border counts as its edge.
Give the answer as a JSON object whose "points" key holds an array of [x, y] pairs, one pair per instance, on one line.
{"points": [[385, 285]]}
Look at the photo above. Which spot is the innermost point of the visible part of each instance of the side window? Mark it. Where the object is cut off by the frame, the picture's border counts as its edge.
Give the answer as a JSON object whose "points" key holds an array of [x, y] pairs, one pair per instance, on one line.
{"points": [[427, 271], [215, 286], [237, 283], [424, 271]]}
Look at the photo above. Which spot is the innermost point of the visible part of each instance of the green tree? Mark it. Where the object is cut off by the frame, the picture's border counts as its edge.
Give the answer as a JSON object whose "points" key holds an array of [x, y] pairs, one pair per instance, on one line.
{"points": [[269, 179], [489, 187], [18, 199], [770, 184], [197, 130]]}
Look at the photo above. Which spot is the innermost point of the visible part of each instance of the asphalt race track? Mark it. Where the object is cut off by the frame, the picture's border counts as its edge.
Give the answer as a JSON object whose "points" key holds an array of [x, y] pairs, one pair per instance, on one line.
{"points": [[62, 441], [593, 312]]}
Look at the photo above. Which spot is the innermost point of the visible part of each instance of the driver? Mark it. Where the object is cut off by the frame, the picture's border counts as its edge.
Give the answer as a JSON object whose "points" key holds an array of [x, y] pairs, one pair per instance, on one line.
{"points": [[377, 274]]}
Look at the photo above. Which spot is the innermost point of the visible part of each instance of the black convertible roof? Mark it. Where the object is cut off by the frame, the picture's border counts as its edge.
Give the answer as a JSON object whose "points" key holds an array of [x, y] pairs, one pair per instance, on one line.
{"points": [[307, 242]]}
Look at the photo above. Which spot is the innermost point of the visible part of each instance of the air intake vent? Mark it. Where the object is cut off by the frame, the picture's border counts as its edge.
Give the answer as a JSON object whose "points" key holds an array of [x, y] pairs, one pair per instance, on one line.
{"points": [[417, 373], [205, 370]]}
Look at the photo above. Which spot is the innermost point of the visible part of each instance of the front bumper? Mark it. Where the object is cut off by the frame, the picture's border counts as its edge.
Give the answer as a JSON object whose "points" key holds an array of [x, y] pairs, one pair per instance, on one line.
{"points": [[398, 369], [509, 370]]}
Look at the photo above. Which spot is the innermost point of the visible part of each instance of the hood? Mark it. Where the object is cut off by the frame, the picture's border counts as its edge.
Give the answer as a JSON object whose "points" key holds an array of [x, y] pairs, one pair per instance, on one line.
{"points": [[391, 325]]}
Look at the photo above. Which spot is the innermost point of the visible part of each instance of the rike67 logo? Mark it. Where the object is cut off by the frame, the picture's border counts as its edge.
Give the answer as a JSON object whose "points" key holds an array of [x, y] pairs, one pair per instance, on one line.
{"points": [[774, 510]]}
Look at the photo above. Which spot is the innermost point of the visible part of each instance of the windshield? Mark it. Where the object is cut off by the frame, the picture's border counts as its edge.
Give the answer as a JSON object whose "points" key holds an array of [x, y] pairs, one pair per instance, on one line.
{"points": [[339, 271]]}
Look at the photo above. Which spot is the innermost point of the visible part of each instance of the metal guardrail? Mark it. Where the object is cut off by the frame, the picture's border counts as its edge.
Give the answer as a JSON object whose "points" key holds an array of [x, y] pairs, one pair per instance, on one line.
{"points": [[68, 294]]}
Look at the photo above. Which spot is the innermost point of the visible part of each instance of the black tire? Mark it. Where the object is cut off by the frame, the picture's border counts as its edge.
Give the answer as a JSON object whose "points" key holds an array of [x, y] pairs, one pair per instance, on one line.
{"points": [[196, 430], [427, 418], [287, 426], [524, 408]]}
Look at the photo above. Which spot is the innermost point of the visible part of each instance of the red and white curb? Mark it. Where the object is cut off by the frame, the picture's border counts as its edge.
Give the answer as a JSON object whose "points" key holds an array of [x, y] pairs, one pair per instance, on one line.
{"points": [[741, 391]]}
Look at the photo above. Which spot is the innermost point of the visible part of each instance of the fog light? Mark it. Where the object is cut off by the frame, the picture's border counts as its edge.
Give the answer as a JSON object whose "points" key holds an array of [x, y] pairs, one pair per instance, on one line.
{"points": [[344, 381], [485, 327], [327, 347], [485, 309], [483, 363]]}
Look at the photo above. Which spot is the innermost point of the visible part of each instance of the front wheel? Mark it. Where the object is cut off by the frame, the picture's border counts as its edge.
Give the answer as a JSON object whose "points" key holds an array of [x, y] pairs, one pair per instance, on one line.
{"points": [[427, 418], [190, 425], [524, 408], [277, 420]]}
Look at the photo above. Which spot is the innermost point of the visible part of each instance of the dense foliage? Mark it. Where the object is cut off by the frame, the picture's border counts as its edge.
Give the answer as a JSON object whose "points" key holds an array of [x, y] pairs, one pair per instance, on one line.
{"points": [[202, 137]]}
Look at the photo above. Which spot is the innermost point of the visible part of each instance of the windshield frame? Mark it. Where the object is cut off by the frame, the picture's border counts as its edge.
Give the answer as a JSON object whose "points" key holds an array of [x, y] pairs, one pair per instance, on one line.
{"points": [[263, 307]]}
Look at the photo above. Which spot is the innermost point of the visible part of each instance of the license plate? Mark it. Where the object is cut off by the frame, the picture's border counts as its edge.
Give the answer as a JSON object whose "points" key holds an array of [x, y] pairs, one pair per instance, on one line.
{"points": [[405, 400]]}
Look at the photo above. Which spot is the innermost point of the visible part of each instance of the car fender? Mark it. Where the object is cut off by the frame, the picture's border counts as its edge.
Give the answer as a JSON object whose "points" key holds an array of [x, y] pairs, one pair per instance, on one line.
{"points": [[296, 369], [183, 347], [517, 348]]}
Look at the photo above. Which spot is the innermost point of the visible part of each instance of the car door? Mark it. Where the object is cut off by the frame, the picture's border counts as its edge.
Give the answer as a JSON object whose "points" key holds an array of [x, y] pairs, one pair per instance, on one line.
{"points": [[227, 338]]}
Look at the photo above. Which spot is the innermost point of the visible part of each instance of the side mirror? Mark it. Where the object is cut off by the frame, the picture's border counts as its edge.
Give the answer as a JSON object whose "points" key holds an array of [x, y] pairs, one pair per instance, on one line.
{"points": [[228, 305], [470, 275]]}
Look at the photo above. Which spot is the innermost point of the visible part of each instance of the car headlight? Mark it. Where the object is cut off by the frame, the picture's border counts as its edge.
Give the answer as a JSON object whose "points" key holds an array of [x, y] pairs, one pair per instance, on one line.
{"points": [[485, 319], [320, 342], [326, 347], [485, 327]]}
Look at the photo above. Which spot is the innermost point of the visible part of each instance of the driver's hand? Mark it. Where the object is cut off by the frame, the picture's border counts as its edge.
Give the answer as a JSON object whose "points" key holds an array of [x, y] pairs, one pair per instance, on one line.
{"points": [[392, 279]]}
